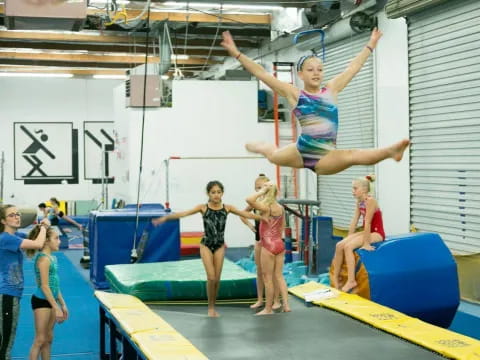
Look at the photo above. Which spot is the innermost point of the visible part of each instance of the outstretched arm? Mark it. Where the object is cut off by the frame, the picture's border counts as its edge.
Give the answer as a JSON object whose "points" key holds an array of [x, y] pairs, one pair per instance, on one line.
{"points": [[177, 215], [339, 82], [71, 221], [282, 88], [242, 213], [245, 220]]}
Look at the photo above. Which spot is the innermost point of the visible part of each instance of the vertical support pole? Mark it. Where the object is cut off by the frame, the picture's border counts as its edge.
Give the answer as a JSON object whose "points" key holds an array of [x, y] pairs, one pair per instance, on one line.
{"points": [[277, 126], [306, 236], [167, 184], [102, 317], [2, 169]]}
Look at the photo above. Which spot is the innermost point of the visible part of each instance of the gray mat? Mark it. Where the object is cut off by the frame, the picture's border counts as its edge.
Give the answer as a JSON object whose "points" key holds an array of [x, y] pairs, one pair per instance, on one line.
{"points": [[305, 333]]}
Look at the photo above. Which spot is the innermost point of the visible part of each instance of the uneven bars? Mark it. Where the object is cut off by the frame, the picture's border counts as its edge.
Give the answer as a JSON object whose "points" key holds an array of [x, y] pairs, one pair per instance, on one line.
{"points": [[167, 161], [213, 157]]}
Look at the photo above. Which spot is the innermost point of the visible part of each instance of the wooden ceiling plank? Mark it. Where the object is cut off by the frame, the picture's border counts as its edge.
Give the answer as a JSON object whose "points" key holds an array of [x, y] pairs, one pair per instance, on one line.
{"points": [[99, 58]]}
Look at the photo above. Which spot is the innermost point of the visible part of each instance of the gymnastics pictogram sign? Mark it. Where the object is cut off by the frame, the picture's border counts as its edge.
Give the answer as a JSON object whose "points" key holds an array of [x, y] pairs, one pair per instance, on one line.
{"points": [[46, 153]]}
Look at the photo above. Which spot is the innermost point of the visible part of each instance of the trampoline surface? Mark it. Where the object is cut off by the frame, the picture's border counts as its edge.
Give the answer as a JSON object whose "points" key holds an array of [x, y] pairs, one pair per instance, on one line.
{"points": [[305, 333]]}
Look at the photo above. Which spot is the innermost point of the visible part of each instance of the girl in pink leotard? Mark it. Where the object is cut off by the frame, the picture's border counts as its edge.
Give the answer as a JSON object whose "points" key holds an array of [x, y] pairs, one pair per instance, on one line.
{"points": [[273, 249], [259, 181]]}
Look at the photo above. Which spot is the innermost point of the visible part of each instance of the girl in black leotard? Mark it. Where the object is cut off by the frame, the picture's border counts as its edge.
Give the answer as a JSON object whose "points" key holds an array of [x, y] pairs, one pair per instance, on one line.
{"points": [[212, 246]]}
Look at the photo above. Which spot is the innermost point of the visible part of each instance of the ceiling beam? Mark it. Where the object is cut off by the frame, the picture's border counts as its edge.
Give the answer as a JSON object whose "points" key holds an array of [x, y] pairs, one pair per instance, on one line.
{"points": [[246, 31], [82, 36], [106, 38], [102, 47], [8, 54], [175, 16], [57, 70], [74, 71]]}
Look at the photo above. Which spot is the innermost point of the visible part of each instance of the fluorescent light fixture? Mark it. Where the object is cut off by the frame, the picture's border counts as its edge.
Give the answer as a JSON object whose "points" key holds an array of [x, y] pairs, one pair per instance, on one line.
{"points": [[111, 76], [165, 77], [51, 75], [225, 6], [180, 57], [105, 1]]}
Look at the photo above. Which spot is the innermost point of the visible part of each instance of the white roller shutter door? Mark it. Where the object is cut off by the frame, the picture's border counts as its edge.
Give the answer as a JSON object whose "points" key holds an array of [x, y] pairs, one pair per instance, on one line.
{"points": [[444, 53]]}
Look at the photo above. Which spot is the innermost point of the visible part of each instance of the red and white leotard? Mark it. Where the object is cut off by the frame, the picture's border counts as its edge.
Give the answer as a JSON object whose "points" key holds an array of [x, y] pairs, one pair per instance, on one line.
{"points": [[271, 234], [377, 221]]}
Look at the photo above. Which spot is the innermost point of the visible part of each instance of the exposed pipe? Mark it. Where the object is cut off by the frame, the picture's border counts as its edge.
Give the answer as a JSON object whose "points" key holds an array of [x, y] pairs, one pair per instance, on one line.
{"points": [[336, 32]]}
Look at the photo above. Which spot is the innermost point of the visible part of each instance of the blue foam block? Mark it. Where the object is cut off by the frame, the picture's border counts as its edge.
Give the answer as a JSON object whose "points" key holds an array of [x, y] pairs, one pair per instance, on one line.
{"points": [[415, 274]]}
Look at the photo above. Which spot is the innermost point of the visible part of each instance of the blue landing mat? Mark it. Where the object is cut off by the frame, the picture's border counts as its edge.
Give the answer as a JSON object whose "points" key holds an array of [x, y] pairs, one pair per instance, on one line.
{"points": [[78, 337]]}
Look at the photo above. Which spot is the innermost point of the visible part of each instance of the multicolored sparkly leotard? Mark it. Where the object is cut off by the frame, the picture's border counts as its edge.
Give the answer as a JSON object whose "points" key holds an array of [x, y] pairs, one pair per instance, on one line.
{"points": [[318, 118]]}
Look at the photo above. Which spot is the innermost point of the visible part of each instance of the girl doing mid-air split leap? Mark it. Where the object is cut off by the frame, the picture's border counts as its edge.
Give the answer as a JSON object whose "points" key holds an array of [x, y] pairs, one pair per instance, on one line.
{"points": [[315, 107]]}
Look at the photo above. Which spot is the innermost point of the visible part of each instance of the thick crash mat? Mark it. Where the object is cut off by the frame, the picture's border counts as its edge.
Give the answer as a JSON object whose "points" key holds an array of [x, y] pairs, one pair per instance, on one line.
{"points": [[413, 273], [178, 280], [114, 233]]}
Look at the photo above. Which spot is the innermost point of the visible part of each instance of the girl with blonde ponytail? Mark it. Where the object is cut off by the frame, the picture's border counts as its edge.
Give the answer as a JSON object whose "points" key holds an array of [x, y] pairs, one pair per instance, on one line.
{"points": [[367, 208], [273, 249], [259, 181]]}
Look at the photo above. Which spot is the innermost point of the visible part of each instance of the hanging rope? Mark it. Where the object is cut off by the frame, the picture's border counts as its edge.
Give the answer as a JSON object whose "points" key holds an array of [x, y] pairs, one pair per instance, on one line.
{"points": [[134, 255], [215, 38]]}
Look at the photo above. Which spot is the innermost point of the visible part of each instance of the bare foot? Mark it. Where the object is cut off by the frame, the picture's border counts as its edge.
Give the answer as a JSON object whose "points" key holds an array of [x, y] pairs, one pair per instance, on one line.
{"points": [[256, 305], [396, 150], [368, 247], [286, 308], [212, 313], [276, 305], [349, 286], [260, 147], [265, 312], [334, 283]]}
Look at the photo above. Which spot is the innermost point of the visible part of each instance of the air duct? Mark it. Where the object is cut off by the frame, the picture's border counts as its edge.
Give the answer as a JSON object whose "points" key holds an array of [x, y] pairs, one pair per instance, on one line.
{"points": [[336, 32], [66, 15], [160, 30]]}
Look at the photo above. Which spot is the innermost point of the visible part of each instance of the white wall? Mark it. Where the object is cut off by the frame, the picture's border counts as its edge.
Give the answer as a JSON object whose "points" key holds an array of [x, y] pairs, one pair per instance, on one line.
{"points": [[51, 100], [207, 119], [391, 66]]}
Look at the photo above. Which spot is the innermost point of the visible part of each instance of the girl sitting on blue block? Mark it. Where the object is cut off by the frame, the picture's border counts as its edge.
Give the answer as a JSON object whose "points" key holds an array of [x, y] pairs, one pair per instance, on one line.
{"points": [[367, 207]]}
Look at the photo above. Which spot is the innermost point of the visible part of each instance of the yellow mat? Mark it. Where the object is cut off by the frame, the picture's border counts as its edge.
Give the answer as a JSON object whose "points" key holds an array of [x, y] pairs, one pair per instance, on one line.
{"points": [[156, 338], [442, 341], [167, 345]]}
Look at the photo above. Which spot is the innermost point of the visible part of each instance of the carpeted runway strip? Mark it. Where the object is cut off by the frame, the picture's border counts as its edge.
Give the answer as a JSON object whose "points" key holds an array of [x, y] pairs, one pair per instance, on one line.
{"points": [[75, 339]]}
